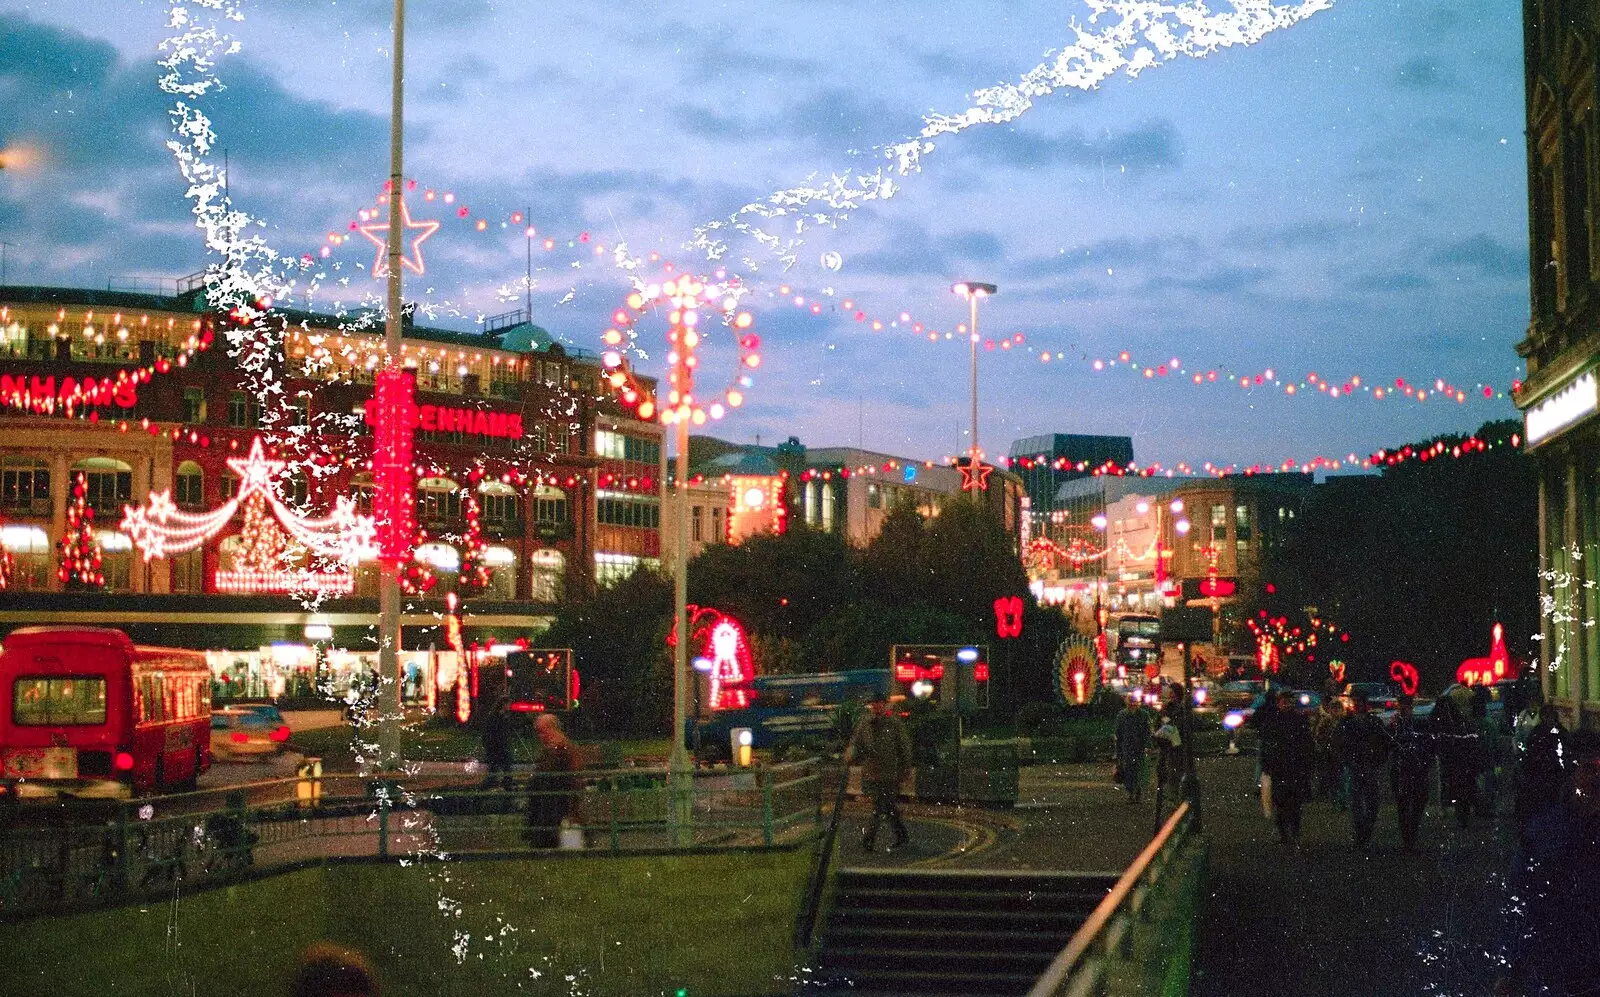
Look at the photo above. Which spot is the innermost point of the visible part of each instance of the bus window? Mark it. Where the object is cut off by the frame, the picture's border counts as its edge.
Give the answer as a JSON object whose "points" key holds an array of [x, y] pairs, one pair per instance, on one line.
{"points": [[779, 698], [76, 700]]}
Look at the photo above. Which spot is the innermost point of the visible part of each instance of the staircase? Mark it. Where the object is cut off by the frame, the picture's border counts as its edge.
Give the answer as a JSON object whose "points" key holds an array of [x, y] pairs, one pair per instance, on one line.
{"points": [[968, 932]]}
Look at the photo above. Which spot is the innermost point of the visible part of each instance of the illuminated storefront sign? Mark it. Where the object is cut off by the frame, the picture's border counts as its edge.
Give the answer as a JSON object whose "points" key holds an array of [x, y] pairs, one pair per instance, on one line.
{"points": [[47, 394], [481, 422], [1579, 398]]}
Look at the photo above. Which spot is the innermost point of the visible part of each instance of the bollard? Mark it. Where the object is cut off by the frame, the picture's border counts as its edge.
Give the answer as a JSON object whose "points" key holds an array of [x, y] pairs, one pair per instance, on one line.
{"points": [[308, 791], [743, 740]]}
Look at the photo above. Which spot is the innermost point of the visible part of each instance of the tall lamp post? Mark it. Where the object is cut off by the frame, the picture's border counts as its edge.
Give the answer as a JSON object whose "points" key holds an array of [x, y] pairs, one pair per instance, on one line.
{"points": [[974, 292], [389, 576]]}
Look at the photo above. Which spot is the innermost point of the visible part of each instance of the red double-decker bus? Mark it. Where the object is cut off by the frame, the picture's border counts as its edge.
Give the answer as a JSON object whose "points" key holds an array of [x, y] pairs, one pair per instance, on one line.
{"points": [[86, 712]]}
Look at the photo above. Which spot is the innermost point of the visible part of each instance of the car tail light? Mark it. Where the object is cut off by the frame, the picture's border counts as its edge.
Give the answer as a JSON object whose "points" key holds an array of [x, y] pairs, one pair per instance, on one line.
{"points": [[239, 737], [280, 735], [123, 762]]}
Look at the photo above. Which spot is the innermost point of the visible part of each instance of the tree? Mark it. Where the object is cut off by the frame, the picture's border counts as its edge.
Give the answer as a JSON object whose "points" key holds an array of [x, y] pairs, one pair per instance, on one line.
{"points": [[968, 563], [618, 638], [80, 554], [777, 585], [261, 542]]}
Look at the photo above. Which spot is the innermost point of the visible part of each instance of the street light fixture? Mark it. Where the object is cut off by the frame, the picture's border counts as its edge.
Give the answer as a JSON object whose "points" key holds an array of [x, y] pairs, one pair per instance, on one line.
{"points": [[974, 291]]}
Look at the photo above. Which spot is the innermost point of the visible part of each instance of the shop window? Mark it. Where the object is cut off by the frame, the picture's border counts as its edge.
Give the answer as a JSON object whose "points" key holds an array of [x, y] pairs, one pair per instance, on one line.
{"points": [[1241, 523], [502, 562], [362, 491], [229, 485], [108, 485], [438, 499], [874, 497], [32, 562], [116, 560], [25, 487]]}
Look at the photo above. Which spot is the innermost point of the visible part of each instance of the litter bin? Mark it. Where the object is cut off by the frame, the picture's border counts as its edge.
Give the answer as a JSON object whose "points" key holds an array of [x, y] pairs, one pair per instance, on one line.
{"points": [[743, 741], [308, 791]]}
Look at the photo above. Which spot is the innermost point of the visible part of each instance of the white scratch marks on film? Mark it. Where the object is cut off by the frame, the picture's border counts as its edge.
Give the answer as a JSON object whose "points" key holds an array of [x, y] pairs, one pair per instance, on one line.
{"points": [[1138, 35]]}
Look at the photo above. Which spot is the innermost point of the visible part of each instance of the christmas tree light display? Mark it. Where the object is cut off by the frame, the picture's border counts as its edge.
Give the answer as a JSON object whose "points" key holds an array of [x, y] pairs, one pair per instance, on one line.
{"points": [[475, 572], [80, 552], [417, 576]]}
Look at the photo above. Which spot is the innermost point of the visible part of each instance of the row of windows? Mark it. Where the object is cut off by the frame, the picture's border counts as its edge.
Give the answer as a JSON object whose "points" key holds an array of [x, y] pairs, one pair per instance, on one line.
{"points": [[25, 486], [158, 697], [614, 509], [697, 531], [620, 446]]}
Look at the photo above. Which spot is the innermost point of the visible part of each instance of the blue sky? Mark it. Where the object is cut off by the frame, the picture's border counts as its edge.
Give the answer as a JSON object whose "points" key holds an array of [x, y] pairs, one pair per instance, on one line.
{"points": [[1346, 196]]}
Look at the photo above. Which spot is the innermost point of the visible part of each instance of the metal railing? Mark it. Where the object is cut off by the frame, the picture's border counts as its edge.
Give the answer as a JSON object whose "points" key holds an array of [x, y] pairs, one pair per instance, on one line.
{"points": [[56, 861], [1101, 955]]}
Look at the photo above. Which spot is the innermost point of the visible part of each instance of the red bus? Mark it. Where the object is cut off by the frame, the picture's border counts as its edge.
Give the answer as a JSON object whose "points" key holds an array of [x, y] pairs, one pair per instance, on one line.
{"points": [[84, 711]]}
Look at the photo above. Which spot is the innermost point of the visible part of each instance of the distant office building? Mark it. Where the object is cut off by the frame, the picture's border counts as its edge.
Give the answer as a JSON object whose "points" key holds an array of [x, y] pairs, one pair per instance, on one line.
{"points": [[1045, 463]]}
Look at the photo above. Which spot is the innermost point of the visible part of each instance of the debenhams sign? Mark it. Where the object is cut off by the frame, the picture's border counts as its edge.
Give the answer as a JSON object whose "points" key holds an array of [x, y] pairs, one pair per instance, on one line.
{"points": [[1580, 397]]}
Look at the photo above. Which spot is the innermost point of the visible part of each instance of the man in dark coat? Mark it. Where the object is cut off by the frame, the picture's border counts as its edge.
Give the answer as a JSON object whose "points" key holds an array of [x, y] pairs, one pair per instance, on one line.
{"points": [[497, 744], [1132, 740], [1363, 745], [554, 785], [1409, 765], [1455, 736], [882, 743], [1289, 764]]}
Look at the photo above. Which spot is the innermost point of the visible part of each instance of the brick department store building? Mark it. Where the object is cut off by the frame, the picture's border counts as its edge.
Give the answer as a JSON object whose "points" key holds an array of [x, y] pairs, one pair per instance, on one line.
{"points": [[569, 489]]}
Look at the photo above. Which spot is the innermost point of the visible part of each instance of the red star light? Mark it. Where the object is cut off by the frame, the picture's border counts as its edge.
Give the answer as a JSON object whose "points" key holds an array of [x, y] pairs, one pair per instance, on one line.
{"points": [[975, 476], [380, 266]]}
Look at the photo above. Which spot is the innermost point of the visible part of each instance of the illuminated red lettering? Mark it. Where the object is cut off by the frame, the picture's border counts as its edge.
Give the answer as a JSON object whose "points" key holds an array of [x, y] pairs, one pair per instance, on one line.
{"points": [[447, 420], [480, 423], [497, 424], [514, 427], [127, 395], [429, 417], [41, 387]]}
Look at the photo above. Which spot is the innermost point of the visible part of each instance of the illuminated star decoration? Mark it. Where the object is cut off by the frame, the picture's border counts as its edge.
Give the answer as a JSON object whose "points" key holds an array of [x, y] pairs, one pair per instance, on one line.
{"points": [[380, 265], [975, 476], [255, 471]]}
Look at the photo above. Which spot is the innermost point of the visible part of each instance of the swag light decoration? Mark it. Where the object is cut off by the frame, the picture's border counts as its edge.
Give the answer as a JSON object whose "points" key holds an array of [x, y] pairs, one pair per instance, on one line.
{"points": [[688, 300], [161, 529]]}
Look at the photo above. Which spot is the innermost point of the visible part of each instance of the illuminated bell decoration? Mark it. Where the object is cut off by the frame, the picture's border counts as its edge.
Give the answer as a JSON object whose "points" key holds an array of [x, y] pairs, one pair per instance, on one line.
{"points": [[732, 667], [1405, 674], [1487, 671]]}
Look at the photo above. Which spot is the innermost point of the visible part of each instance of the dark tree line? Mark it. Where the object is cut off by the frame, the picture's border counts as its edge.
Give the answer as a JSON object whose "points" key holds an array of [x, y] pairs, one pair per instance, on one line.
{"points": [[1419, 562], [812, 603]]}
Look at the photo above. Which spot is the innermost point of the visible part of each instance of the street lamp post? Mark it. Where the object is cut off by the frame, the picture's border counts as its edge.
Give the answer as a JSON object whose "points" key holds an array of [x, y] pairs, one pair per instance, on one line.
{"points": [[974, 291], [389, 572]]}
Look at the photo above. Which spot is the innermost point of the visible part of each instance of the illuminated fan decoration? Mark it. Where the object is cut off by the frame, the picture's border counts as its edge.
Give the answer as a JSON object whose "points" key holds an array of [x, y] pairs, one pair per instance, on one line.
{"points": [[687, 300], [160, 529], [1077, 671], [1487, 671]]}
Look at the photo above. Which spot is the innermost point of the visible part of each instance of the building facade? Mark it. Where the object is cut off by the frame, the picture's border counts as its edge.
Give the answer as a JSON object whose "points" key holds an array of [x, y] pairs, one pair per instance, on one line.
{"points": [[1045, 463], [1560, 399], [565, 482]]}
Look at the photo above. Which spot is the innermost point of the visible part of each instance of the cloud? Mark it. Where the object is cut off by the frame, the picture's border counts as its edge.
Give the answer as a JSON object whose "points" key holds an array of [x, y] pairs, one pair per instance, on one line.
{"points": [[830, 119], [1484, 254], [1153, 145], [1283, 238], [1424, 72], [1387, 283], [1220, 280]]}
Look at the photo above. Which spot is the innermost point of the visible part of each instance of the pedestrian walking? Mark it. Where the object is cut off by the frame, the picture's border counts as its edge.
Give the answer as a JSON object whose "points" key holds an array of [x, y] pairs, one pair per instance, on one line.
{"points": [[553, 787], [1265, 721], [497, 744], [1169, 750], [1363, 745], [1456, 740], [1330, 784], [1410, 762], [1289, 765], [880, 740], [1132, 741]]}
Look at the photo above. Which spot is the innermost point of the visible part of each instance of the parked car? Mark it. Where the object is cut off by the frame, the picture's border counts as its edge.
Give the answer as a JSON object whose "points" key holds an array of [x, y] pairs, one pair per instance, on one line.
{"points": [[268, 710], [1305, 702], [243, 733], [1380, 696], [1240, 693], [1505, 698]]}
